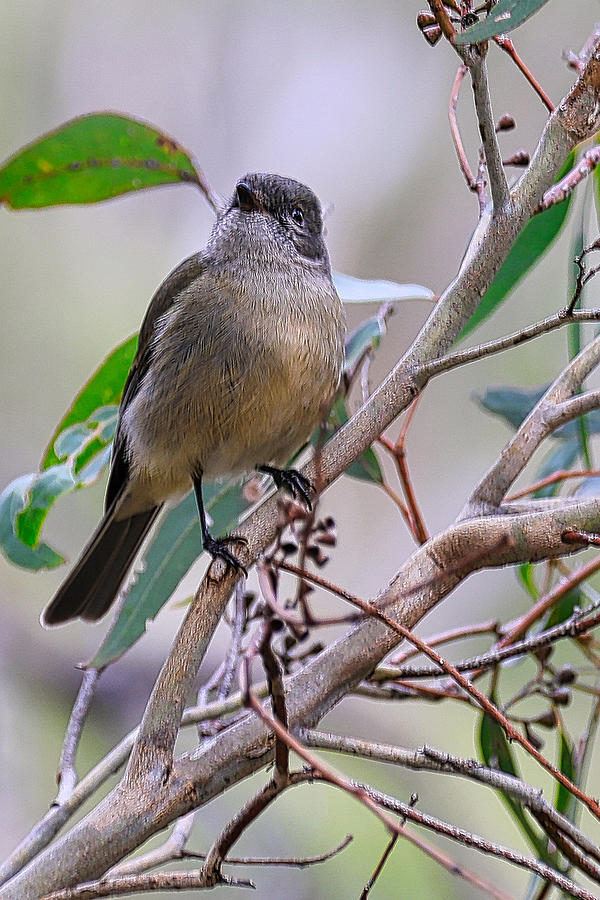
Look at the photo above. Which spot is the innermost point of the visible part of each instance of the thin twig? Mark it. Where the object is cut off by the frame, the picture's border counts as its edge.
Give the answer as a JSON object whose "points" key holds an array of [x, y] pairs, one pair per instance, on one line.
{"points": [[453, 634], [560, 475], [429, 759], [472, 840], [378, 869], [561, 190], [67, 775], [461, 357], [572, 627], [212, 868], [514, 630], [455, 131], [511, 732], [507, 45], [173, 848], [487, 129]]}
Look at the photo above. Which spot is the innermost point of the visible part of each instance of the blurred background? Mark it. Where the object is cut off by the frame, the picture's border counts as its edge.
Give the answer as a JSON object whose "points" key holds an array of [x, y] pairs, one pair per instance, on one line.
{"points": [[347, 97]]}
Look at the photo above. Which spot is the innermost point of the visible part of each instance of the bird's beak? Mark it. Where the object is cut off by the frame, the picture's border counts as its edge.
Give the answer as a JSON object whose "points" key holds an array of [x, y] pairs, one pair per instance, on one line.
{"points": [[247, 199]]}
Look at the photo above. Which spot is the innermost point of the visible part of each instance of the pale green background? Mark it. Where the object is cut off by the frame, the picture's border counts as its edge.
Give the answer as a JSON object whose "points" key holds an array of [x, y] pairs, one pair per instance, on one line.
{"points": [[349, 98]]}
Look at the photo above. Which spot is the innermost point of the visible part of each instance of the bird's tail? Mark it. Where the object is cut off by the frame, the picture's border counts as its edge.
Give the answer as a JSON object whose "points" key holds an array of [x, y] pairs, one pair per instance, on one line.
{"points": [[94, 582]]}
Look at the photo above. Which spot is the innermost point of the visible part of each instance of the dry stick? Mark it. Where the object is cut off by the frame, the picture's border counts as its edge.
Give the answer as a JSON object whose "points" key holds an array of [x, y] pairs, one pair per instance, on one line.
{"points": [[397, 450], [559, 475], [472, 354], [67, 775], [574, 120], [173, 848], [520, 626], [274, 674], [108, 886], [378, 869], [138, 884], [212, 868], [507, 45], [571, 627], [479, 843], [511, 732], [487, 129], [559, 191], [453, 634], [431, 760], [455, 131]]}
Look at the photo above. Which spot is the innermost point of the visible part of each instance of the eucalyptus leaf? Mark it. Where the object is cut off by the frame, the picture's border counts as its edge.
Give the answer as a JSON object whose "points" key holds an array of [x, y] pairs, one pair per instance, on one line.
{"points": [[103, 389], [360, 290], [366, 337], [91, 158], [13, 501], [564, 799], [513, 404], [366, 467], [505, 16], [561, 457], [526, 573], [530, 245], [175, 547], [497, 754]]}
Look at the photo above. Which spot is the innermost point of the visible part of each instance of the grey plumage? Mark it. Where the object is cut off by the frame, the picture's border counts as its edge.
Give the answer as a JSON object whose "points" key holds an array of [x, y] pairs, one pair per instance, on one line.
{"points": [[239, 356]]}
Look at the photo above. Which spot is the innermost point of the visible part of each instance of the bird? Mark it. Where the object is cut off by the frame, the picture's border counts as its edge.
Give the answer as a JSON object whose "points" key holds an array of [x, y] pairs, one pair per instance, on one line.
{"points": [[239, 357]]}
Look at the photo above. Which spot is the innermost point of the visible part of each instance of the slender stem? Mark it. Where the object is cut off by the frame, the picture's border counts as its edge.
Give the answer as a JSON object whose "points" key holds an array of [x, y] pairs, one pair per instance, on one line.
{"points": [[543, 326], [487, 129], [507, 45], [67, 775], [455, 131]]}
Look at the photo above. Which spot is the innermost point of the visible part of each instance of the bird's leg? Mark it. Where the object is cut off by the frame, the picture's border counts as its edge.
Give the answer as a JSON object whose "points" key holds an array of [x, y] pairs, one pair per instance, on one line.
{"points": [[215, 546], [292, 481]]}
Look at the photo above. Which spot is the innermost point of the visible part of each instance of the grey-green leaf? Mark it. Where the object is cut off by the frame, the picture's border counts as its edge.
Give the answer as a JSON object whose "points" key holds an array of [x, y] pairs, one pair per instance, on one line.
{"points": [[176, 545], [361, 290], [14, 500], [505, 16]]}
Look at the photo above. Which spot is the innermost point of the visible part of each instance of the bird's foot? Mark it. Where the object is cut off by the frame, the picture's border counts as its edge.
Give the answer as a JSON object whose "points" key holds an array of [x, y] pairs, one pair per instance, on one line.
{"points": [[295, 483], [218, 549]]}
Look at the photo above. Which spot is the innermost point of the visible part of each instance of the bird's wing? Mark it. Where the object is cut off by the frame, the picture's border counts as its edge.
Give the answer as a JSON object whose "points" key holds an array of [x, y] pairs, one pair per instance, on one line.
{"points": [[166, 295]]}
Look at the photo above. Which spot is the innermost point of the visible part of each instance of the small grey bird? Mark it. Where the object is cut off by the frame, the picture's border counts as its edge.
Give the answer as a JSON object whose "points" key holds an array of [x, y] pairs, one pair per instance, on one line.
{"points": [[239, 357]]}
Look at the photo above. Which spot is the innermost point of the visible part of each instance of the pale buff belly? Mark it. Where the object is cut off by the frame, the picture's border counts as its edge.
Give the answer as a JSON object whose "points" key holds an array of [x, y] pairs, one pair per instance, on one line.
{"points": [[261, 416]]}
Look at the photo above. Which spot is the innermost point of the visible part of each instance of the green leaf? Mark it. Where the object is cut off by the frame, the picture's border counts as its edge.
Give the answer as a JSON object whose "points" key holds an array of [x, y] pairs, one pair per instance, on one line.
{"points": [[563, 609], [84, 450], [366, 468], [564, 800], [497, 754], [14, 500], [92, 158], [44, 489], [526, 573], [505, 16], [513, 404], [177, 544], [366, 337], [532, 242], [104, 388], [561, 457], [589, 487], [360, 290]]}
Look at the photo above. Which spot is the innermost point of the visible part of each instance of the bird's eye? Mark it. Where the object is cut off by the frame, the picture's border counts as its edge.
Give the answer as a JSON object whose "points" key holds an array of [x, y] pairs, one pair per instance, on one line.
{"points": [[297, 215]]}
